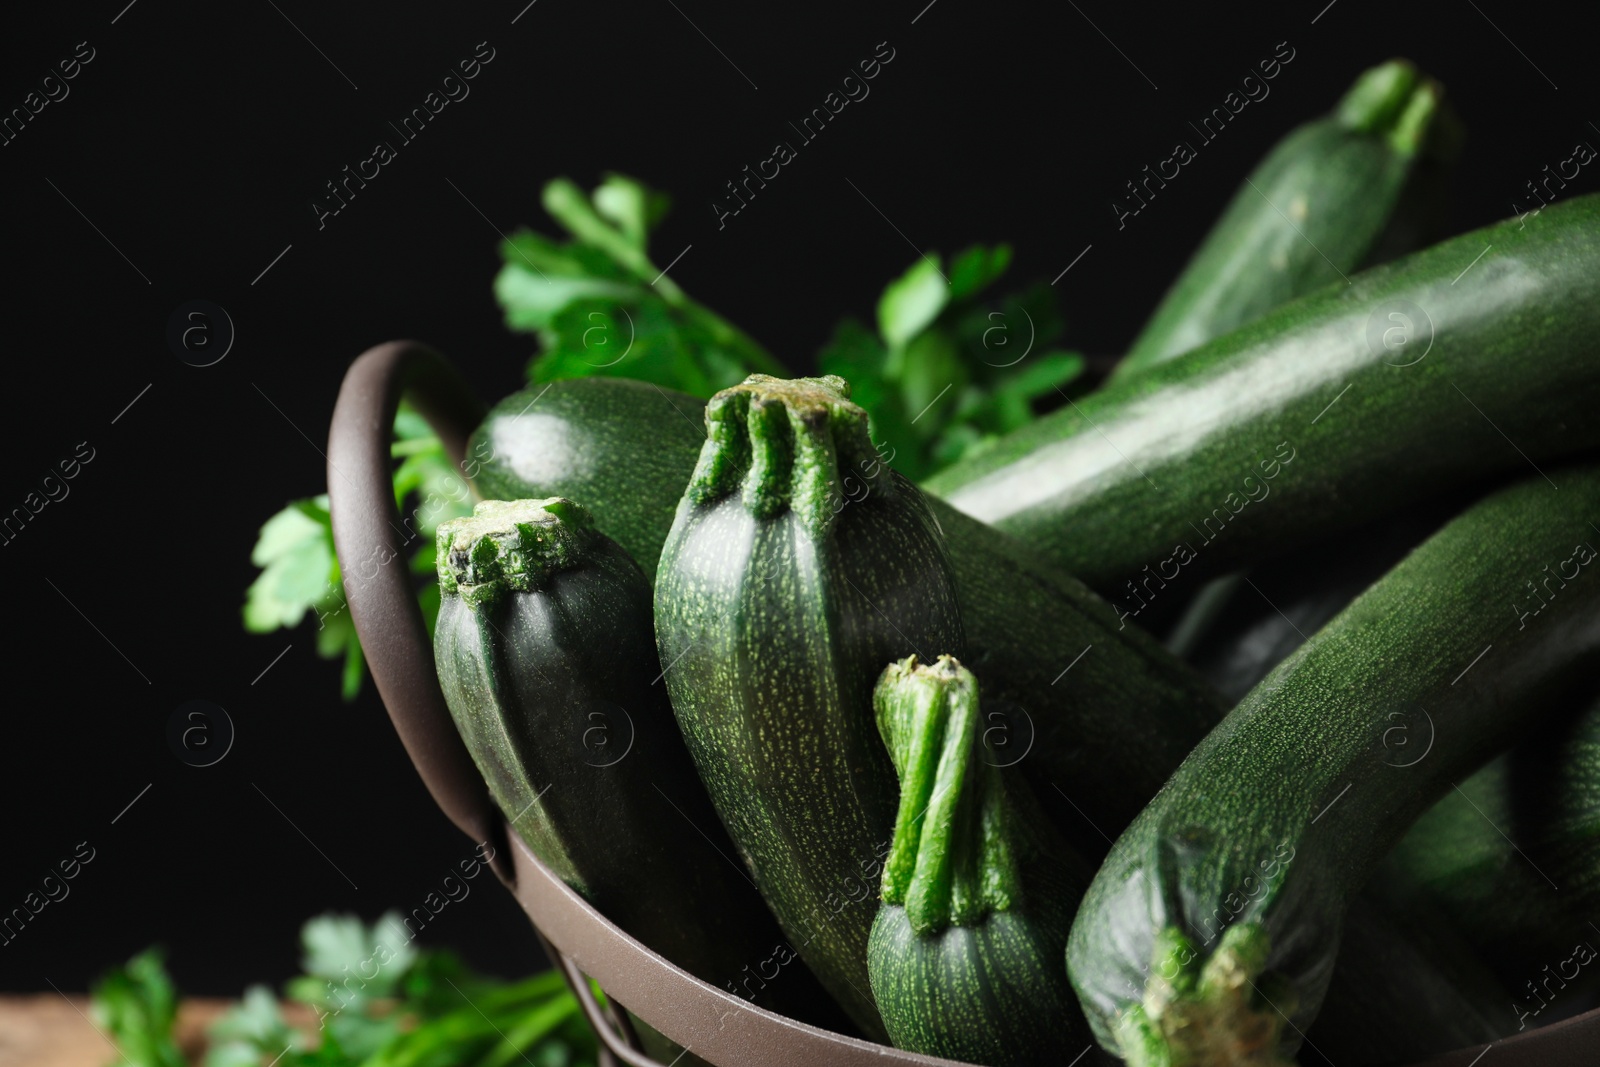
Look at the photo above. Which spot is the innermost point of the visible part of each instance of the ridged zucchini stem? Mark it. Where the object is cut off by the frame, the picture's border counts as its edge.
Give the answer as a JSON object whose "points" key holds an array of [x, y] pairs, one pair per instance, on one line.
{"points": [[952, 861], [785, 445], [1377, 97], [1394, 100], [509, 546], [1414, 127], [1219, 1012]]}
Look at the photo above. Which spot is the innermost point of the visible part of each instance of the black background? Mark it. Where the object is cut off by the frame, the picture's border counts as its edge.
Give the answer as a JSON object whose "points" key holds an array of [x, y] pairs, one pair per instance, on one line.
{"points": [[196, 141]]}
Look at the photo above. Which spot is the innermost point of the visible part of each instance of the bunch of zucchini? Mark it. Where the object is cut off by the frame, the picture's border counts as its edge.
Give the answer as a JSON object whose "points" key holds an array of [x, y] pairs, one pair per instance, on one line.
{"points": [[832, 740]]}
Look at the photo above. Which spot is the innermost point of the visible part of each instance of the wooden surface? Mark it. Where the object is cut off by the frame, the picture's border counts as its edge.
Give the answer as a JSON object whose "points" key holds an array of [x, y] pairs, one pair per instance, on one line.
{"points": [[49, 1030]]}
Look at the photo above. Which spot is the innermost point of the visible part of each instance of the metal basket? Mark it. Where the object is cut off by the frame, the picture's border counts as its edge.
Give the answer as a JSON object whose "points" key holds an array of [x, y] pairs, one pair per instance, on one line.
{"points": [[717, 1027]]}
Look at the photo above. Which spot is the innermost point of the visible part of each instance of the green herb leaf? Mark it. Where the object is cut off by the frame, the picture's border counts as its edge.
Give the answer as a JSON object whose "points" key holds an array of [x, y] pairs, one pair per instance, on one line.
{"points": [[380, 1003], [295, 552], [949, 373], [600, 306], [932, 371], [135, 1005], [1042, 375], [531, 302], [336, 946], [632, 206], [300, 571], [250, 1029], [973, 270], [912, 301]]}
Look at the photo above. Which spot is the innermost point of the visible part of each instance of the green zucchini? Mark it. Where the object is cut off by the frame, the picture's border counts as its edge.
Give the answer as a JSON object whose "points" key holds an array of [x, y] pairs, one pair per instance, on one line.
{"points": [[777, 602], [545, 653], [1091, 708], [965, 953], [587, 437], [1511, 858], [1314, 208], [1208, 935], [1315, 416], [1407, 984], [1284, 600], [1357, 187], [1455, 883], [1108, 712]]}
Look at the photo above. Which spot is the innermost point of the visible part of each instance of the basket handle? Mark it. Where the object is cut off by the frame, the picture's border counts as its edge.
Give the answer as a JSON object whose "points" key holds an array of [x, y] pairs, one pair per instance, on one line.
{"points": [[367, 527], [372, 542]]}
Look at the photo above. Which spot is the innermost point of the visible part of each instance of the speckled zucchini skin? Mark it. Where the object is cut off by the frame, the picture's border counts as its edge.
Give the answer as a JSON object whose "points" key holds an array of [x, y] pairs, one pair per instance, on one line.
{"points": [[546, 654], [1524, 906], [778, 603], [1413, 378], [1228, 891], [1289, 601], [1099, 738], [1315, 206], [1108, 712], [1412, 978]]}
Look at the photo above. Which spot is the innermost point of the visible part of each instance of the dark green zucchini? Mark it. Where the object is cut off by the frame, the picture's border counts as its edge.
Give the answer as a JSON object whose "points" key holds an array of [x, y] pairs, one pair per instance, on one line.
{"points": [[1511, 857], [965, 954], [1407, 984], [1108, 712], [545, 652], [1455, 884], [1417, 376], [1091, 708], [778, 600], [1209, 933], [1314, 208], [1284, 601], [1358, 187], [572, 436]]}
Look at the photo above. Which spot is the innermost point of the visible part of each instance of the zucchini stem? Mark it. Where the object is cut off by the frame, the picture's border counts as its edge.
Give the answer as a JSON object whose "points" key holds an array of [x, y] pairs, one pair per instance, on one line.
{"points": [[1396, 101], [509, 545], [951, 861], [1210, 1013], [786, 444]]}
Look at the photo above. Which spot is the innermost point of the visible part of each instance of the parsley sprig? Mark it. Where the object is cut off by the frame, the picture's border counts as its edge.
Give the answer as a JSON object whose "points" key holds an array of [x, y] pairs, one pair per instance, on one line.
{"points": [[418, 1008], [946, 372], [600, 306], [300, 573]]}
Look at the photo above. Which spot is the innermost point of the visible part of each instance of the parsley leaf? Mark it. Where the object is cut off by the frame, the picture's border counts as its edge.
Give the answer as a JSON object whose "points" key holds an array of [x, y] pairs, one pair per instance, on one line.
{"points": [[418, 1008], [600, 306], [947, 374], [300, 573], [137, 1005], [256, 1023]]}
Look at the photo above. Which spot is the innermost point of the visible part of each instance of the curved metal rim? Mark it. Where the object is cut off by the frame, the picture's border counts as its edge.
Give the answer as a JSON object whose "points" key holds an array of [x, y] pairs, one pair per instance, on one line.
{"points": [[714, 1025], [711, 1023]]}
